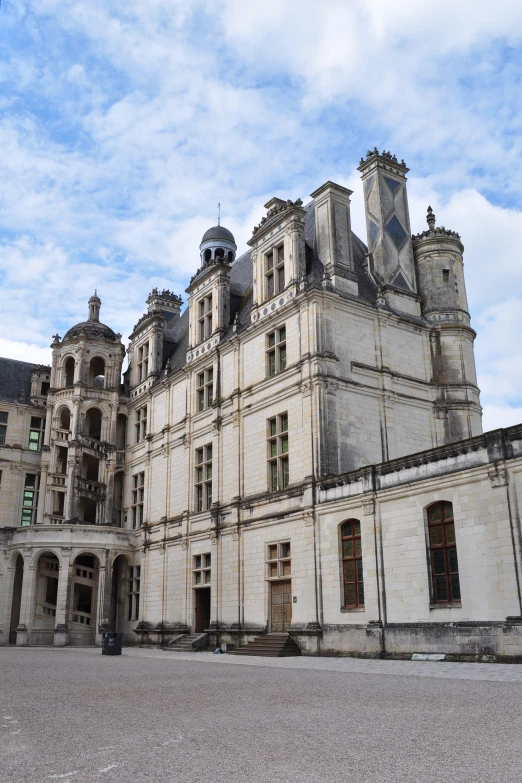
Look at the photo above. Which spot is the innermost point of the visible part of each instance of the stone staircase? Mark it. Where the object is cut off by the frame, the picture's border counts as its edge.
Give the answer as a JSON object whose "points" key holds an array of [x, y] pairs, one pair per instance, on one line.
{"points": [[188, 642], [272, 645]]}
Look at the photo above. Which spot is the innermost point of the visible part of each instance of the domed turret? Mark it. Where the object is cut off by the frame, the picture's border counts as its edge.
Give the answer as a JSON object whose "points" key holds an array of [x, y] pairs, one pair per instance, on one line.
{"points": [[92, 328], [217, 242]]}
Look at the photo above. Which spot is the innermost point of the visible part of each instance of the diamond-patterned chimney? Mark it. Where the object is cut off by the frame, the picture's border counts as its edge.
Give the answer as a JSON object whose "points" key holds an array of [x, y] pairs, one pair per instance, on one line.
{"points": [[388, 220]]}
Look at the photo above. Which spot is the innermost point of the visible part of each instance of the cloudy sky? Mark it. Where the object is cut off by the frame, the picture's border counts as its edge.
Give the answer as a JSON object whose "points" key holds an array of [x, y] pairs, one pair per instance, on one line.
{"points": [[124, 122]]}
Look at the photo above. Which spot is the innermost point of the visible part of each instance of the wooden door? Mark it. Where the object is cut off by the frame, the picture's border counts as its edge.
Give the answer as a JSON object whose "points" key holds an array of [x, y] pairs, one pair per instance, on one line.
{"points": [[202, 609], [281, 606]]}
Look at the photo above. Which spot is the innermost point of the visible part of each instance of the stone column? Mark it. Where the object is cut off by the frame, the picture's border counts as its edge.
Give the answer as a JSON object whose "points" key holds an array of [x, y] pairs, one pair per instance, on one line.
{"points": [[76, 417], [61, 628], [27, 604], [6, 603], [104, 588]]}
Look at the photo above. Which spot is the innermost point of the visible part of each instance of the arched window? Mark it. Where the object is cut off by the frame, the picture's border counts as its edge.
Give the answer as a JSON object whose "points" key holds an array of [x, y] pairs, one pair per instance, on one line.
{"points": [[65, 419], [69, 371], [353, 584], [93, 422], [443, 553], [208, 254], [219, 253], [97, 372]]}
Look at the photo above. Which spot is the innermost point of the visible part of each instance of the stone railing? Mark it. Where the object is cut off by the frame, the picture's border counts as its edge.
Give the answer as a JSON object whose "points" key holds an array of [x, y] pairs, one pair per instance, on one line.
{"points": [[92, 489]]}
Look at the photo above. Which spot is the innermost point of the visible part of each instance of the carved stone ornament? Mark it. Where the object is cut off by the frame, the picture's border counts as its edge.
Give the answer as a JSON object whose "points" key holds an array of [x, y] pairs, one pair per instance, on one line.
{"points": [[369, 508], [308, 517], [498, 477]]}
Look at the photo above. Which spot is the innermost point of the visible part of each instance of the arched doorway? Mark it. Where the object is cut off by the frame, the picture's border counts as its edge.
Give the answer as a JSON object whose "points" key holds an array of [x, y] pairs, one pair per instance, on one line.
{"points": [[47, 576], [83, 600], [17, 598]]}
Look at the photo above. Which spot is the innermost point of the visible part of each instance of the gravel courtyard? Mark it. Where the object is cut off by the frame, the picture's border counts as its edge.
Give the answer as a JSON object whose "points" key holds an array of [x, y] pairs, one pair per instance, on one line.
{"points": [[75, 716]]}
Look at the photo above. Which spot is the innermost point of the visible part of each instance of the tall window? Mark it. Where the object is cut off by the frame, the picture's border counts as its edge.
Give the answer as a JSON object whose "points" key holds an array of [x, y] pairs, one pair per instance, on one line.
{"points": [[36, 433], [278, 560], [353, 584], [138, 498], [30, 499], [204, 478], [205, 318], [278, 468], [141, 423], [133, 585], [205, 389], [201, 572], [275, 271], [3, 426], [276, 351], [143, 362], [443, 553]]}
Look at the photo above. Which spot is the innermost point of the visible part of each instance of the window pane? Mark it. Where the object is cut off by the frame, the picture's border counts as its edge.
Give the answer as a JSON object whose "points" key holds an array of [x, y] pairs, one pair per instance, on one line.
{"points": [[283, 422], [209, 453], [199, 474], [436, 535], [439, 566], [199, 456], [284, 444], [434, 513], [271, 340], [273, 570], [453, 562], [36, 422], [447, 510], [282, 334], [358, 551], [450, 533], [273, 476], [286, 472], [270, 285], [208, 560], [210, 390], [197, 561], [209, 471], [359, 571], [360, 590], [272, 551], [349, 595], [273, 448], [28, 498], [272, 427], [30, 480], [441, 588], [282, 358], [3, 417], [209, 495], [349, 571], [281, 278], [356, 528], [198, 577], [281, 253], [269, 260], [455, 587], [347, 529], [207, 577], [285, 549], [271, 363], [201, 399], [348, 548], [286, 568]]}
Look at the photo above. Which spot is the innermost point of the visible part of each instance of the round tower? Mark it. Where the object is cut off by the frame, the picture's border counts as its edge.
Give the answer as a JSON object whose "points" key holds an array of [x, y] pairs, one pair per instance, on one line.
{"points": [[440, 274], [440, 279]]}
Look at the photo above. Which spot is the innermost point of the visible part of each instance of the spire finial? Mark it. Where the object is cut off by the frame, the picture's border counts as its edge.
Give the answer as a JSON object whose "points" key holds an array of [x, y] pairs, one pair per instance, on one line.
{"points": [[219, 213], [94, 307], [430, 217]]}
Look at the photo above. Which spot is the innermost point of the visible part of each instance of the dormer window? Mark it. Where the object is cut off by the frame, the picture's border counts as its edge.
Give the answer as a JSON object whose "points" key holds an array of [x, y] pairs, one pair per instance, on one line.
{"points": [[275, 271], [143, 362], [205, 318]]}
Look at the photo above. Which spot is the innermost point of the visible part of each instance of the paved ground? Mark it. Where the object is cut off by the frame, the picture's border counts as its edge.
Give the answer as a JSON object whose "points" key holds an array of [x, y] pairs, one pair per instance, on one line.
{"points": [[75, 716]]}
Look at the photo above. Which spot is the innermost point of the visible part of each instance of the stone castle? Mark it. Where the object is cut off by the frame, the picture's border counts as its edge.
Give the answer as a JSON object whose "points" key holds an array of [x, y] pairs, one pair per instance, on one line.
{"points": [[299, 452]]}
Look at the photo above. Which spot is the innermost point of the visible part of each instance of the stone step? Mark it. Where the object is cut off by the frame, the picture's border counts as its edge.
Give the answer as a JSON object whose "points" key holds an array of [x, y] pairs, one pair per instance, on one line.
{"points": [[276, 646]]}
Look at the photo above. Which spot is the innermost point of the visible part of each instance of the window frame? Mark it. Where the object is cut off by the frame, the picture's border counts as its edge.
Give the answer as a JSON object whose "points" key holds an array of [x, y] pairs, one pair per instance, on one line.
{"points": [[29, 510], [276, 356], [275, 275], [202, 569], [275, 566], [204, 389], [203, 478], [138, 499], [140, 426], [39, 431], [3, 427], [451, 577], [356, 558], [278, 462], [133, 592], [205, 320], [143, 361]]}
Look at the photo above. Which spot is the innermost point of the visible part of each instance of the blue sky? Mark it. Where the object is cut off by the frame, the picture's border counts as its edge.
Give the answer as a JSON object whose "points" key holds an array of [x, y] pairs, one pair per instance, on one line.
{"points": [[123, 123]]}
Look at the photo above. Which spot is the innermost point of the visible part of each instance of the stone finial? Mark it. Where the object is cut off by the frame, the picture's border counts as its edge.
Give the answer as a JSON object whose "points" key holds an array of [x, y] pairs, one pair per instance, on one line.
{"points": [[430, 217], [56, 338]]}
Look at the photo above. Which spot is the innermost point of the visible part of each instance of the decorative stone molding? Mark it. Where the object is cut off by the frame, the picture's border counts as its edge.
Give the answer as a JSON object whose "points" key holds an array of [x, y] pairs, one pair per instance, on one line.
{"points": [[368, 508], [498, 476]]}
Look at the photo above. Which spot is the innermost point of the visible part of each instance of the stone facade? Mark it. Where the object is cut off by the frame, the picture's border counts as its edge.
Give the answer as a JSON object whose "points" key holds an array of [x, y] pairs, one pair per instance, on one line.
{"points": [[208, 492]]}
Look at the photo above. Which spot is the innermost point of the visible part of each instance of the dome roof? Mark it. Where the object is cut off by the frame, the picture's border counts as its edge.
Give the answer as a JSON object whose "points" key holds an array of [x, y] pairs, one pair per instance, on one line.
{"points": [[218, 233], [93, 329]]}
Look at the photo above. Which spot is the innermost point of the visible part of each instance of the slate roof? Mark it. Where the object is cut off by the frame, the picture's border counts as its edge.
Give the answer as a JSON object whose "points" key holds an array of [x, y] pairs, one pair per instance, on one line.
{"points": [[176, 331], [15, 377], [93, 329], [218, 232]]}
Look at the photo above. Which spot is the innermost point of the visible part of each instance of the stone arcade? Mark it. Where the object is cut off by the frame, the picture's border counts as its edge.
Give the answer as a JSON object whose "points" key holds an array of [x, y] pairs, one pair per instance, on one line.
{"points": [[300, 451]]}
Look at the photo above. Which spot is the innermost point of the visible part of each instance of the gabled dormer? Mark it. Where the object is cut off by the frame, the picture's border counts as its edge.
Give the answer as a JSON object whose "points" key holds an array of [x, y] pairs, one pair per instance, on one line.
{"points": [[209, 292], [146, 348], [278, 256]]}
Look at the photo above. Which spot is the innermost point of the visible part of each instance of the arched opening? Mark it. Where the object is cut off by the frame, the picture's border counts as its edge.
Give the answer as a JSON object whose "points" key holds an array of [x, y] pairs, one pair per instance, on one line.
{"points": [[119, 594], [97, 372], [207, 254], [65, 419], [117, 508], [93, 422], [90, 467], [69, 371], [352, 565], [84, 594], [17, 598], [121, 432], [444, 564], [47, 576], [230, 256], [219, 253]]}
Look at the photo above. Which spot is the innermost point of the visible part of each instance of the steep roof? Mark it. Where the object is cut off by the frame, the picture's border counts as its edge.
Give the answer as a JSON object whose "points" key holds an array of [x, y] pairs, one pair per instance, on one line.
{"points": [[15, 380], [176, 332]]}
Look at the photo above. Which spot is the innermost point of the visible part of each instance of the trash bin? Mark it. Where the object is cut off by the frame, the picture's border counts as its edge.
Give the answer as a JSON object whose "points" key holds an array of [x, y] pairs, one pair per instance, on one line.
{"points": [[111, 644]]}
